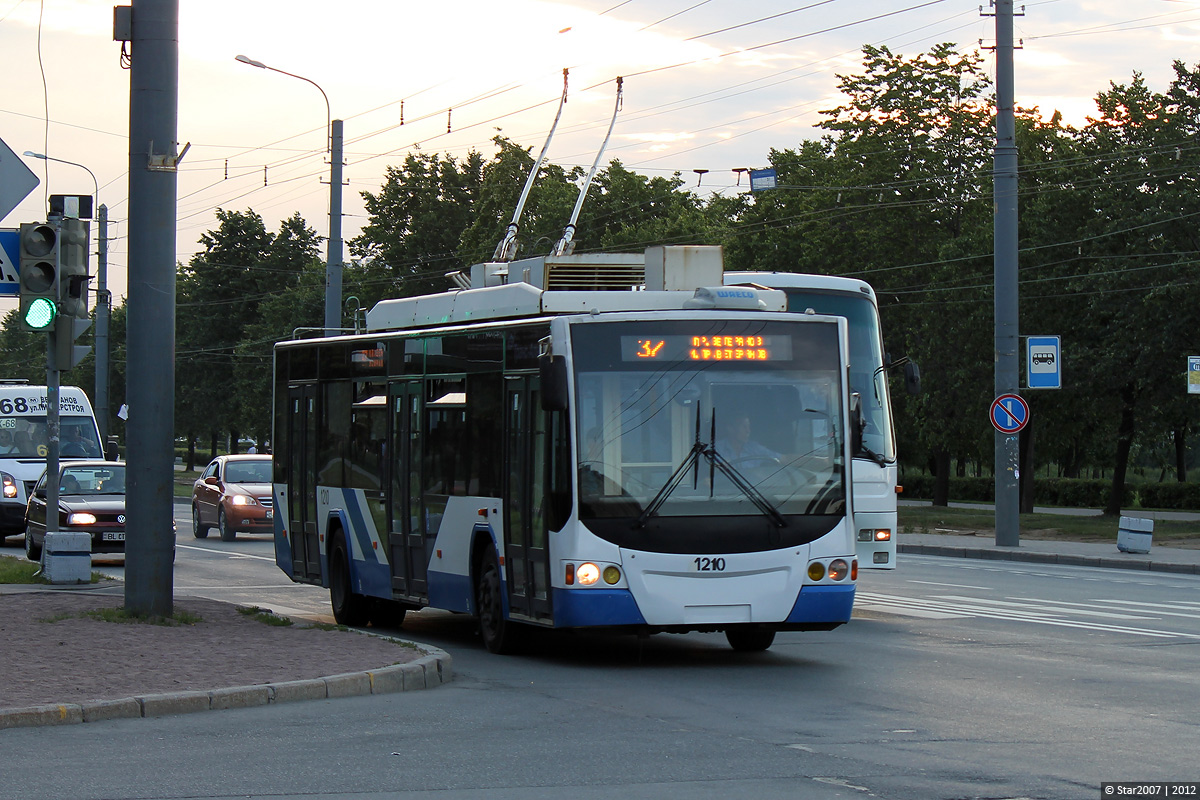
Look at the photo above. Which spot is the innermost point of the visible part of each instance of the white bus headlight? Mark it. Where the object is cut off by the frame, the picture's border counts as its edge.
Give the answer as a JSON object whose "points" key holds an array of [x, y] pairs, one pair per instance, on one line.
{"points": [[587, 574], [838, 569], [10, 485]]}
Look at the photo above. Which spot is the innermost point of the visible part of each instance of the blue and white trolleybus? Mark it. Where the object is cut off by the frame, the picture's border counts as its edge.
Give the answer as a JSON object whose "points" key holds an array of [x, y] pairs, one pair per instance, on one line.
{"points": [[589, 441]]}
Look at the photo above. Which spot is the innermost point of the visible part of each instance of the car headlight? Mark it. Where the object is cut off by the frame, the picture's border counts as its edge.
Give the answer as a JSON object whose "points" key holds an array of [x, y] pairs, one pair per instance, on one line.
{"points": [[243, 500], [81, 518]]}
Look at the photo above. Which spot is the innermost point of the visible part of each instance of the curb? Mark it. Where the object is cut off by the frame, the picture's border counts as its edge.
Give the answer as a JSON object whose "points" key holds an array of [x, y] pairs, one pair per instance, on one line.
{"points": [[1047, 558], [427, 672]]}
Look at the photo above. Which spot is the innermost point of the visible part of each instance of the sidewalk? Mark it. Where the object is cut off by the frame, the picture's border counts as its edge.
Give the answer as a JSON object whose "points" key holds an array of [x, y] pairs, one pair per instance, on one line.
{"points": [[1081, 554], [221, 660]]}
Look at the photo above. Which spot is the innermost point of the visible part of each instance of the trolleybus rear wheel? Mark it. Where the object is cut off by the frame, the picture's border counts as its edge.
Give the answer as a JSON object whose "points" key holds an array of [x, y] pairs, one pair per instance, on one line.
{"points": [[348, 608]]}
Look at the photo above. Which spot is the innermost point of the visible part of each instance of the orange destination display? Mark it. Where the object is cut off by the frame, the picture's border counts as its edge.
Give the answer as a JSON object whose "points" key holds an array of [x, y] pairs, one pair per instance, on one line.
{"points": [[706, 347]]}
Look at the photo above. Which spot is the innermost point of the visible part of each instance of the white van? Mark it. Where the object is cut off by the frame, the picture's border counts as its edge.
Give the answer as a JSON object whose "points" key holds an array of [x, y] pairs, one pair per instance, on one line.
{"points": [[23, 443]]}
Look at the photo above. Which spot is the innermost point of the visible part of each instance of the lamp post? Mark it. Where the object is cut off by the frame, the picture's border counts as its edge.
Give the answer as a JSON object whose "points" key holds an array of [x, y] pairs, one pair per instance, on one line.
{"points": [[103, 300], [333, 261]]}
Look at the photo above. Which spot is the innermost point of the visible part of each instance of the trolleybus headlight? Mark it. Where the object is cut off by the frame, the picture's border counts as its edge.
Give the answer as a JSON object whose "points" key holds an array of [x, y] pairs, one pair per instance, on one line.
{"points": [[854, 570], [587, 574], [838, 569], [10, 485], [816, 571], [883, 535], [611, 575], [875, 535]]}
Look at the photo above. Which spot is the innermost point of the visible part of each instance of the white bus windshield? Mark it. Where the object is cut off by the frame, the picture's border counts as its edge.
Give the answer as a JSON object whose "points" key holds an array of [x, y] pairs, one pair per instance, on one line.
{"points": [[718, 405], [866, 356]]}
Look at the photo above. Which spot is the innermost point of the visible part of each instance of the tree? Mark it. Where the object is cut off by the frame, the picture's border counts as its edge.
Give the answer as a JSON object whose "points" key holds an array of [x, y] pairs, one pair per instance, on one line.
{"points": [[415, 224]]}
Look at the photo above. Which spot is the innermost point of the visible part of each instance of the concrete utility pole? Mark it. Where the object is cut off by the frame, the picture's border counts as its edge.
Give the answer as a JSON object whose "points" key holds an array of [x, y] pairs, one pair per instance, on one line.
{"points": [[1007, 465], [333, 260], [153, 118], [103, 312]]}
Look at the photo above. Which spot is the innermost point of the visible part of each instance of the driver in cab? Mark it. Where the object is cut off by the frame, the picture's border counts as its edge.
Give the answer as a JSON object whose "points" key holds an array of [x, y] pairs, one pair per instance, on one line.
{"points": [[738, 448]]}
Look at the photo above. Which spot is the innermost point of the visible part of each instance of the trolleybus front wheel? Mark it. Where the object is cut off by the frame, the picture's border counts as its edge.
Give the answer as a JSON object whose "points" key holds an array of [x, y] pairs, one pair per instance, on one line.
{"points": [[499, 635], [348, 608], [750, 640]]}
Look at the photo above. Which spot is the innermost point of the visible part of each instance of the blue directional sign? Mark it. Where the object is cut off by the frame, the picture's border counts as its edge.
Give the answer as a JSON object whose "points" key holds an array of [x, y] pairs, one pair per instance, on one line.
{"points": [[1010, 413], [1043, 362], [761, 179], [10, 243]]}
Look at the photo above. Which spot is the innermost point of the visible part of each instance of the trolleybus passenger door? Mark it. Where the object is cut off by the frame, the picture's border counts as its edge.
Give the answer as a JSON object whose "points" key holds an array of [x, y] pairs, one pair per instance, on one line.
{"points": [[302, 495], [406, 534], [526, 547]]}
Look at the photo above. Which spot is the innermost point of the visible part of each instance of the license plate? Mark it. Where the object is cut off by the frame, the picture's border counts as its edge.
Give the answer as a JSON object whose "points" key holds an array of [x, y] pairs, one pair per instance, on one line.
{"points": [[112, 536]]}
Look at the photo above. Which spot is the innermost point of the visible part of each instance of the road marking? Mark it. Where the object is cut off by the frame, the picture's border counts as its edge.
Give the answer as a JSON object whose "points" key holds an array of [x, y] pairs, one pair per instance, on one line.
{"points": [[224, 552], [1011, 612], [954, 585]]}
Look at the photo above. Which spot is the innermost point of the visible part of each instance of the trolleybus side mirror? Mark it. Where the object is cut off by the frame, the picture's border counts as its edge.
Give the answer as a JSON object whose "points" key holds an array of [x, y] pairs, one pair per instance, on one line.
{"points": [[912, 378], [554, 382], [857, 423], [112, 451]]}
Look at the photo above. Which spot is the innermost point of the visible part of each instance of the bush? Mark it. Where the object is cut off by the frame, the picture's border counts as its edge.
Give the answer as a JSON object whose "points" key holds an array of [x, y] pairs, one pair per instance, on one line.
{"points": [[1066, 492]]}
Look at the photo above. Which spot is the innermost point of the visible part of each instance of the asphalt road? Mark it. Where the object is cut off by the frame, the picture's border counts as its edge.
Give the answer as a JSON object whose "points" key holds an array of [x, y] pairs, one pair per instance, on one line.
{"points": [[956, 679]]}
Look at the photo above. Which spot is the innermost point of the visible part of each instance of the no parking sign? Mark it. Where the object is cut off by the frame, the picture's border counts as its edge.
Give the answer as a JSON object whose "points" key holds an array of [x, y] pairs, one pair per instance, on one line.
{"points": [[1010, 413]]}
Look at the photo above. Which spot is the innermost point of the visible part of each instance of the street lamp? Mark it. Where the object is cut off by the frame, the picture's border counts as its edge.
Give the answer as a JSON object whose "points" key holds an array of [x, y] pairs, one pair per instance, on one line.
{"points": [[103, 301], [333, 261]]}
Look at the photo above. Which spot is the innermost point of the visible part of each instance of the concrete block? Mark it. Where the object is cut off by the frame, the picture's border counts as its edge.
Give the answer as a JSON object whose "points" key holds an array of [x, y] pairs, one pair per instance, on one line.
{"points": [[67, 557], [1134, 535]]}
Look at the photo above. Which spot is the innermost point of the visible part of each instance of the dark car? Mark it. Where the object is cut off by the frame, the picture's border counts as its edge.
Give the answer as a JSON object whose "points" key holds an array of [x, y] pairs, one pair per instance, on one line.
{"points": [[233, 494], [91, 499]]}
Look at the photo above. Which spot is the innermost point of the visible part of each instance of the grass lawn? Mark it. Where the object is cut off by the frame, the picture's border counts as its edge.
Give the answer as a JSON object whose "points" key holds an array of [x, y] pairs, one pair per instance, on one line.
{"points": [[927, 519]]}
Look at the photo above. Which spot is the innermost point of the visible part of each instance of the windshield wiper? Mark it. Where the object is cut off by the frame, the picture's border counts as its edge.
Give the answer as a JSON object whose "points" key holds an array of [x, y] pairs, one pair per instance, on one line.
{"points": [[672, 483], [871, 454], [739, 480]]}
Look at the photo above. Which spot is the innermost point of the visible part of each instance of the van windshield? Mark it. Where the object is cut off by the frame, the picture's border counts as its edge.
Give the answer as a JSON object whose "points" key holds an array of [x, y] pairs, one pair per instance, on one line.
{"points": [[26, 437]]}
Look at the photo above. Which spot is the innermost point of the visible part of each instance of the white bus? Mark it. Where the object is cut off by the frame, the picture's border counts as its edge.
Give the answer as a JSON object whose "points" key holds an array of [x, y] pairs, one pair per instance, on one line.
{"points": [[560, 448], [24, 440], [874, 474]]}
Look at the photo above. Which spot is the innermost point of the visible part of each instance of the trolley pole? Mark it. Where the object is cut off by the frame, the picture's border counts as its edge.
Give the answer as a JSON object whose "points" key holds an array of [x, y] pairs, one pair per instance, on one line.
{"points": [[1007, 463]]}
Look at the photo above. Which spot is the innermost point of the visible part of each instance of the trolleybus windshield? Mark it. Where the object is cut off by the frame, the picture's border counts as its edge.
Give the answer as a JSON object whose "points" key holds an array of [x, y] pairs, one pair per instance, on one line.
{"points": [[709, 402]]}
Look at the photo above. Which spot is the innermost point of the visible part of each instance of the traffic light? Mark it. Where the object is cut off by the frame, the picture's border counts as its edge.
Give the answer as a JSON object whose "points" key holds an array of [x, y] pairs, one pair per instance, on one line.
{"points": [[39, 246], [67, 329], [73, 268]]}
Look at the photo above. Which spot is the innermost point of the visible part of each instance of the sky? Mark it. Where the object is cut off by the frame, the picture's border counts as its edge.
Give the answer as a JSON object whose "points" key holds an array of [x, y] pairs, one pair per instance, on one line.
{"points": [[709, 85]]}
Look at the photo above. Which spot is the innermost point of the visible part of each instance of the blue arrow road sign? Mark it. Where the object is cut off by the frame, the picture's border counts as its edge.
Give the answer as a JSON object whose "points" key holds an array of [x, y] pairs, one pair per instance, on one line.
{"points": [[1010, 413], [10, 243]]}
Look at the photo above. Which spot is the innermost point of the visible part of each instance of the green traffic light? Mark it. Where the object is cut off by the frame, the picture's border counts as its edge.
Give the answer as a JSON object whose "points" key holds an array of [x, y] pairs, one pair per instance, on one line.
{"points": [[40, 313]]}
